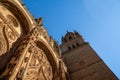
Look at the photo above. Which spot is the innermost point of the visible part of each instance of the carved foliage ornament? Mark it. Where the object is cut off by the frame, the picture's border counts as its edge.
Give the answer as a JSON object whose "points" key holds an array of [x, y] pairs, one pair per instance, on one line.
{"points": [[39, 67], [8, 31]]}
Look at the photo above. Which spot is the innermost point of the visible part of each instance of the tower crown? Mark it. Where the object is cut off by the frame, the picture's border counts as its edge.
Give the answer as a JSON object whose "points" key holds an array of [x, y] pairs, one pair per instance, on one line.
{"points": [[71, 36], [71, 40]]}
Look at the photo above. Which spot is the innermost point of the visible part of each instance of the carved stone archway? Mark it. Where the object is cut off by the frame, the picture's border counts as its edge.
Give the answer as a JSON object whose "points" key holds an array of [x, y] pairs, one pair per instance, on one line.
{"points": [[13, 24], [26, 50]]}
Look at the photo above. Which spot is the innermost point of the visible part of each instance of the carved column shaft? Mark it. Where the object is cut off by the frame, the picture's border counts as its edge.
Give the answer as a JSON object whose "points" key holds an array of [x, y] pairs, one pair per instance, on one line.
{"points": [[26, 69], [17, 67]]}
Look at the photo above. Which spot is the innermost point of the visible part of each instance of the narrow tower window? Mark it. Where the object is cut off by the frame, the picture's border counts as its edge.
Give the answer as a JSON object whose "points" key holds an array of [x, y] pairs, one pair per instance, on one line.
{"points": [[77, 44], [69, 48], [70, 37], [73, 46]]}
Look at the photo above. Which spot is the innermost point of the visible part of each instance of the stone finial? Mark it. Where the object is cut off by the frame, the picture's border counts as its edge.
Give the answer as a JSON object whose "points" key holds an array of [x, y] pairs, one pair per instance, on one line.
{"points": [[76, 32], [39, 21]]}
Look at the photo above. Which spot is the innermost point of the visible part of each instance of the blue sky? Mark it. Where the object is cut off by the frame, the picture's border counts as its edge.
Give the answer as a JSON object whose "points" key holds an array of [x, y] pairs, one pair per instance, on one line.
{"points": [[98, 21]]}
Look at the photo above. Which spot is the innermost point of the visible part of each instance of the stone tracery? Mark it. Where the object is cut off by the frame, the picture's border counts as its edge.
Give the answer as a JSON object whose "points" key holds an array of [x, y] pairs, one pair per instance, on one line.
{"points": [[39, 65]]}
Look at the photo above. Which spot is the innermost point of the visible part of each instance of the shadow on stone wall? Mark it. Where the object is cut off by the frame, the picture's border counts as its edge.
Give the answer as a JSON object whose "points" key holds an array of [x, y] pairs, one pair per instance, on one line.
{"points": [[6, 57]]}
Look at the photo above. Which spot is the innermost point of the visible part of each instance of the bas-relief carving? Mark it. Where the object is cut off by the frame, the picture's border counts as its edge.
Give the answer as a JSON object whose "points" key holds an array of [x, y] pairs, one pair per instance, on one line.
{"points": [[12, 20], [39, 67], [8, 33], [3, 46], [10, 36]]}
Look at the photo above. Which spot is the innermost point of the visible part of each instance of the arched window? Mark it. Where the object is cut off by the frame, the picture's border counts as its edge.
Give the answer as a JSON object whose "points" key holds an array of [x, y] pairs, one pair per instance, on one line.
{"points": [[70, 37], [69, 48], [77, 44], [73, 46]]}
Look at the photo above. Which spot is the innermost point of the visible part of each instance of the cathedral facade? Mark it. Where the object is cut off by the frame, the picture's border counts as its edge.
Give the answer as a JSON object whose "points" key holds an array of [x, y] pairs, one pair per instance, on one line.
{"points": [[27, 52]]}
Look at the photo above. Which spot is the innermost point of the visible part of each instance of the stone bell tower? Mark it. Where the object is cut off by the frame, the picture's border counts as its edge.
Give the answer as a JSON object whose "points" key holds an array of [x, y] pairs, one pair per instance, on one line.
{"points": [[82, 61]]}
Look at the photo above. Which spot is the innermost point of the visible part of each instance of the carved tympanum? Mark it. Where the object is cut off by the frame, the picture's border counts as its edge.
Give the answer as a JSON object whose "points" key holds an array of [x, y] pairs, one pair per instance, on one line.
{"points": [[39, 67]]}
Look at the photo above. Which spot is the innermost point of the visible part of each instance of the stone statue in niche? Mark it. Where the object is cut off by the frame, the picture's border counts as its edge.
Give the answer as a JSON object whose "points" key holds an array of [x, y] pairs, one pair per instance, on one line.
{"points": [[32, 75], [34, 61]]}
